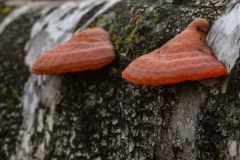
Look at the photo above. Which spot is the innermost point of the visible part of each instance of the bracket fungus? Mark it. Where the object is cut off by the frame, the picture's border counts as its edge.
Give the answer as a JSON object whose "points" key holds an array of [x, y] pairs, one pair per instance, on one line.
{"points": [[185, 57], [90, 49]]}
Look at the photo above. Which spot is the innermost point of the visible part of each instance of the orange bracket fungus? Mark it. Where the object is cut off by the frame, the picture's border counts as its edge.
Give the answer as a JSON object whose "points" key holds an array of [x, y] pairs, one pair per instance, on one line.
{"points": [[185, 57], [90, 49]]}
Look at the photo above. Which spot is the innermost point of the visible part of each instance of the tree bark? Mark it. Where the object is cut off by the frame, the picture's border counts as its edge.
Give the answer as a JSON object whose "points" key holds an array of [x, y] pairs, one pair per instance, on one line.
{"points": [[99, 115]]}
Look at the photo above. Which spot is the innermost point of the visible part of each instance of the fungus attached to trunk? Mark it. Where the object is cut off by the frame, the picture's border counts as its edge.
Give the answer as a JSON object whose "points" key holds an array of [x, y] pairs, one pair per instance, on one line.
{"points": [[90, 49], [185, 57]]}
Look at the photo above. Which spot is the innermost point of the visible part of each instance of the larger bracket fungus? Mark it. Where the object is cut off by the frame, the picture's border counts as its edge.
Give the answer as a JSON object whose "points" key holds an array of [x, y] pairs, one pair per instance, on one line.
{"points": [[185, 57], [90, 49]]}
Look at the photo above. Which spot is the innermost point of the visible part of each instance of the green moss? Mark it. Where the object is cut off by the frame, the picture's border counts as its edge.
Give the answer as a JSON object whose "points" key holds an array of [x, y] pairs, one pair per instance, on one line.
{"points": [[6, 10], [10, 105], [134, 31], [117, 44], [118, 18], [230, 97], [99, 18], [127, 28], [110, 31], [156, 17], [15, 93], [4, 91]]}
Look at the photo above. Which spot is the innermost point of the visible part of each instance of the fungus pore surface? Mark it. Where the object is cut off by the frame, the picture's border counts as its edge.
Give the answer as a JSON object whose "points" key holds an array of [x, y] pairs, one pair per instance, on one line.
{"points": [[185, 57]]}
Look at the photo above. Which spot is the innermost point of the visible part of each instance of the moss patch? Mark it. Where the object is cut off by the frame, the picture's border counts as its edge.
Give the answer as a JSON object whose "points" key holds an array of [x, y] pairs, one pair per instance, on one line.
{"points": [[6, 10], [134, 31], [156, 17]]}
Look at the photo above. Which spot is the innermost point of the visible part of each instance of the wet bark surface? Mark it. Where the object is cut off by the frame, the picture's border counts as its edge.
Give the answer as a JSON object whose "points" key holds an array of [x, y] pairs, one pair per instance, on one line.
{"points": [[102, 116]]}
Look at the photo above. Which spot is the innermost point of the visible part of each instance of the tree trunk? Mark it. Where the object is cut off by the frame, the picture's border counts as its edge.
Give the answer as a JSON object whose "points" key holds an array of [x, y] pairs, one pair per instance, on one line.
{"points": [[99, 115]]}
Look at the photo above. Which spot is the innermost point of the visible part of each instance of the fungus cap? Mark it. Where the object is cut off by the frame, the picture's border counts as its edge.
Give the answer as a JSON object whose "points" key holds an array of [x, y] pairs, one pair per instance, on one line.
{"points": [[90, 49], [185, 57]]}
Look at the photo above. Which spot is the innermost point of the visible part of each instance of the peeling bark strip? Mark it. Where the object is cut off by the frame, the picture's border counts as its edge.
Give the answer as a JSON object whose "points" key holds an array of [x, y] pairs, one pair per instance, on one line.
{"points": [[224, 37], [97, 114]]}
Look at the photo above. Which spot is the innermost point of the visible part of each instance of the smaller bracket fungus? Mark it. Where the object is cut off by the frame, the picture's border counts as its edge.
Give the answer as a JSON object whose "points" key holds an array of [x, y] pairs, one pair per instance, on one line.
{"points": [[185, 57], [90, 49]]}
